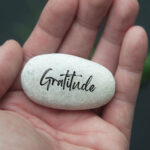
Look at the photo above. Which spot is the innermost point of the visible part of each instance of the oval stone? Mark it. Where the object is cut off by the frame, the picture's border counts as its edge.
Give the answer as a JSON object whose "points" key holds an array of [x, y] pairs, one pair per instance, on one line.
{"points": [[67, 82]]}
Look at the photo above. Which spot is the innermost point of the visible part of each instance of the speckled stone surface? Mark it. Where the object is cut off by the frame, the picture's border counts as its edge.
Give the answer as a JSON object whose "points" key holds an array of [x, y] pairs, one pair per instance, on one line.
{"points": [[67, 82]]}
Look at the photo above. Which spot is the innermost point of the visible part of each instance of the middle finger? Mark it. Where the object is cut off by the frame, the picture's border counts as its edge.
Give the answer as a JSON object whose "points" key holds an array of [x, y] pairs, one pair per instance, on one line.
{"points": [[81, 37]]}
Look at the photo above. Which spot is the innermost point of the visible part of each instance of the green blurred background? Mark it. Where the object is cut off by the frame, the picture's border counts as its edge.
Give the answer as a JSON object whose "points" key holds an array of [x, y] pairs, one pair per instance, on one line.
{"points": [[18, 18]]}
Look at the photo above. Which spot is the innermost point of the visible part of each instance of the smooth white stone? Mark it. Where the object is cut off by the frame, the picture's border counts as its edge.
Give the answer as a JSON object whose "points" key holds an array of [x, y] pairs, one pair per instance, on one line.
{"points": [[99, 82]]}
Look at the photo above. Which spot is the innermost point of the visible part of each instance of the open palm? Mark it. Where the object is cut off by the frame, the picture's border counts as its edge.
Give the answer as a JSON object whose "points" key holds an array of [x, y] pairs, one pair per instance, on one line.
{"points": [[71, 26]]}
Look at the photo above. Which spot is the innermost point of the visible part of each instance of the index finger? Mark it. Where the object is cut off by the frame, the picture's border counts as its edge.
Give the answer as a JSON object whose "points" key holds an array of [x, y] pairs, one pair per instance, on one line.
{"points": [[52, 26]]}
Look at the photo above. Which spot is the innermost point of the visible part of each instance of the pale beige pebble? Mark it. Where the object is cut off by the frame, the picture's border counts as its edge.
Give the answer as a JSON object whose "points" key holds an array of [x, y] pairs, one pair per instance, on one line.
{"points": [[102, 82]]}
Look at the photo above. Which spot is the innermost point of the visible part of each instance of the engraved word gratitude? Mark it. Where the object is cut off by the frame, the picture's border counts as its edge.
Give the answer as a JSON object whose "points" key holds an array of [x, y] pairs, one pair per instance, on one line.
{"points": [[67, 81]]}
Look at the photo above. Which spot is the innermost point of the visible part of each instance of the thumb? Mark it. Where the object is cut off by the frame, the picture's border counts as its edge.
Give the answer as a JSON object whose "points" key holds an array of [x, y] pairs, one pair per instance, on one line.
{"points": [[10, 63]]}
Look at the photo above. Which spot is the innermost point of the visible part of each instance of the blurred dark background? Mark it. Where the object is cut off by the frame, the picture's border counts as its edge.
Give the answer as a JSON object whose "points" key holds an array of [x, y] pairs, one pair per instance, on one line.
{"points": [[17, 21]]}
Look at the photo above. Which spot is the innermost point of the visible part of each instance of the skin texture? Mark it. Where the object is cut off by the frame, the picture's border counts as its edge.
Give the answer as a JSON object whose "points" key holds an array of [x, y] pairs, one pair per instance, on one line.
{"points": [[71, 26]]}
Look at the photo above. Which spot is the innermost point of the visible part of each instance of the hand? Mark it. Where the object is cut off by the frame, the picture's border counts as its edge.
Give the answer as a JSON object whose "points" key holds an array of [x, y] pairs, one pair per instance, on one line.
{"points": [[71, 26]]}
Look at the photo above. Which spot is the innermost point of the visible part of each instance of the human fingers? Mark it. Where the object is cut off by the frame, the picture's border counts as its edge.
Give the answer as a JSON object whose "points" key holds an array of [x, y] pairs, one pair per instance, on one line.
{"points": [[81, 37], [120, 110], [10, 64], [121, 17], [51, 28]]}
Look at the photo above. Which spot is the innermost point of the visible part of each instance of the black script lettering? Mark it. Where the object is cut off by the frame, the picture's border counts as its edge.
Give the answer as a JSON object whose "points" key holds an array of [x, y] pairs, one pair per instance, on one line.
{"points": [[43, 77], [85, 85], [92, 88], [67, 81]]}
